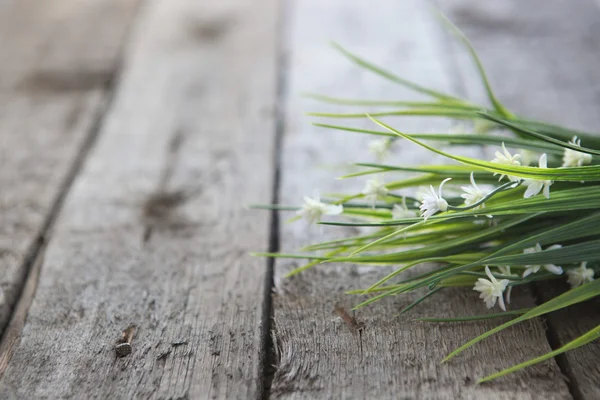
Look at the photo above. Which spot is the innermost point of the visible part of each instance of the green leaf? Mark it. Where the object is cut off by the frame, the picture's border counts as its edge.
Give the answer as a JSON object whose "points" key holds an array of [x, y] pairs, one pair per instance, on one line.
{"points": [[400, 270], [391, 103], [583, 227], [488, 88], [575, 174], [412, 112], [394, 78], [475, 317], [575, 253], [303, 268], [419, 300], [462, 139], [540, 136], [432, 251]]}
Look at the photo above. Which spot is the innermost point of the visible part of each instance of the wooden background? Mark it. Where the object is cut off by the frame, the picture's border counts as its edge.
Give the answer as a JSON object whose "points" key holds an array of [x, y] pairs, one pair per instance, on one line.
{"points": [[133, 133]]}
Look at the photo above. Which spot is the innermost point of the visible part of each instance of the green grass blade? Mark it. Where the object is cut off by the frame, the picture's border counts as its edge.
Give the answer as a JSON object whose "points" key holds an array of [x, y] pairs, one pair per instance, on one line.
{"points": [[488, 88], [580, 228], [412, 112], [575, 253], [540, 136], [389, 103], [288, 255], [462, 139], [419, 300], [475, 317], [393, 78], [575, 174], [311, 264], [395, 233], [400, 270]]}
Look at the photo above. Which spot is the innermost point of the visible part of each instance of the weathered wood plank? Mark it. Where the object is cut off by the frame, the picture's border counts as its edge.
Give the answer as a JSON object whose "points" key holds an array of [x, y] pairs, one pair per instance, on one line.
{"points": [[319, 357], [53, 87], [541, 62], [194, 113]]}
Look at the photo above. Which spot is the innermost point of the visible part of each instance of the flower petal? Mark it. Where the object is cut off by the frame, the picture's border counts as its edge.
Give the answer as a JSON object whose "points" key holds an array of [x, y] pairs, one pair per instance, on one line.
{"points": [[533, 188], [554, 269]]}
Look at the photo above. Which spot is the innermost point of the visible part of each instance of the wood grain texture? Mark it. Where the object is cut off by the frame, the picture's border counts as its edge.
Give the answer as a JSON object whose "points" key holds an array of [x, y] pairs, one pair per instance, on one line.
{"points": [[154, 232], [318, 357], [53, 87], [550, 75], [12, 334]]}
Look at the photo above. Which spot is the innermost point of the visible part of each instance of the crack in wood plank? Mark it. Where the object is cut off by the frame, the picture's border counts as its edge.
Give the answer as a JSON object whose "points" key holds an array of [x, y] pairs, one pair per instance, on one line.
{"points": [[269, 351], [11, 337], [54, 131]]}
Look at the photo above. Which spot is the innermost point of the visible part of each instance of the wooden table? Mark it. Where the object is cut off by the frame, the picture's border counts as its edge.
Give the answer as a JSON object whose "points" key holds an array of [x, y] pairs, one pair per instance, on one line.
{"points": [[134, 133]]}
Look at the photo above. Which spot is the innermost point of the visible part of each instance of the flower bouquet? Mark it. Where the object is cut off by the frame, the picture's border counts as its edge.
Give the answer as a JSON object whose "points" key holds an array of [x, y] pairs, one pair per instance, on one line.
{"points": [[530, 214]]}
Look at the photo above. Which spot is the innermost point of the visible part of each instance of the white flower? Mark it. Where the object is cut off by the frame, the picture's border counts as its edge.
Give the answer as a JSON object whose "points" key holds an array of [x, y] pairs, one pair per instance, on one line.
{"points": [[313, 209], [507, 159], [380, 148], [580, 275], [532, 269], [534, 186], [505, 270], [422, 191], [573, 158], [433, 203], [491, 290], [374, 189], [473, 194], [401, 211], [527, 157]]}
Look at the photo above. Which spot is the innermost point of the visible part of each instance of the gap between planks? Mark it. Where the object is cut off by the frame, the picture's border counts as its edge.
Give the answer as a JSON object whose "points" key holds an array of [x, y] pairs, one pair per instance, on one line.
{"points": [[269, 341]]}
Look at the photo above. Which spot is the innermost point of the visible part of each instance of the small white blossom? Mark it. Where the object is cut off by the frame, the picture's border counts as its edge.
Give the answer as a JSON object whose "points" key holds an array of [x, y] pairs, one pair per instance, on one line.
{"points": [[422, 191], [580, 275], [505, 270], [374, 189], [433, 203], [527, 157], [313, 209], [491, 290], [401, 211], [573, 158], [507, 159], [532, 269], [535, 186], [473, 194], [380, 148]]}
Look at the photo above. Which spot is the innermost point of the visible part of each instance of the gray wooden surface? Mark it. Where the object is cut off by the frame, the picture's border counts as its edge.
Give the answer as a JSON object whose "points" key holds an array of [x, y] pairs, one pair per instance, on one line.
{"points": [[185, 117], [54, 88], [131, 137]]}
